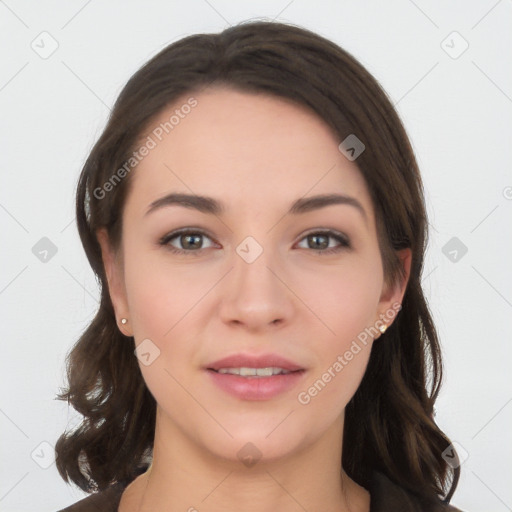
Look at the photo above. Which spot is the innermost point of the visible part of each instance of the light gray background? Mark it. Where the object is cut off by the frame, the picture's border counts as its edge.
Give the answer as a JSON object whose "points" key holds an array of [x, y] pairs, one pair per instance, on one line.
{"points": [[457, 112]]}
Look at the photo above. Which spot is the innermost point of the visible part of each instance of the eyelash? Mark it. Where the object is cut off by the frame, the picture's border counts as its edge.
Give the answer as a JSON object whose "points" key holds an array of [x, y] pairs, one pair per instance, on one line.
{"points": [[339, 237]]}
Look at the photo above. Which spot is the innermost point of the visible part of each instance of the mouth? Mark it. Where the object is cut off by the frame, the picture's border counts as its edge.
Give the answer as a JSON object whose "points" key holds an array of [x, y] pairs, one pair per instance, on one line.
{"points": [[249, 365], [245, 378], [255, 377], [269, 371]]}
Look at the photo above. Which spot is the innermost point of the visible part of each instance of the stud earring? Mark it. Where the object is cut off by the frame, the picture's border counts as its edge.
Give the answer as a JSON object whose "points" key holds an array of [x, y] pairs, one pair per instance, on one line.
{"points": [[383, 328], [124, 321]]}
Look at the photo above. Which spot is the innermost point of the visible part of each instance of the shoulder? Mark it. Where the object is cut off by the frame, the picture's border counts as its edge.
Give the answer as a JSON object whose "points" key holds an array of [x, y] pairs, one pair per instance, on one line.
{"points": [[106, 501], [387, 496]]}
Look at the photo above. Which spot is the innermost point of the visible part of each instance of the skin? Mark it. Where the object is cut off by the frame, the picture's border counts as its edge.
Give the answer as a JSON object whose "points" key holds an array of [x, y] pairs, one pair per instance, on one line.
{"points": [[257, 154]]}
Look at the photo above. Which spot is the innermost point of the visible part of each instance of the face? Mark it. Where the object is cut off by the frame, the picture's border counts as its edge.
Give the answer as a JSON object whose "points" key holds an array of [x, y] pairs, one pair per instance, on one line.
{"points": [[260, 269]]}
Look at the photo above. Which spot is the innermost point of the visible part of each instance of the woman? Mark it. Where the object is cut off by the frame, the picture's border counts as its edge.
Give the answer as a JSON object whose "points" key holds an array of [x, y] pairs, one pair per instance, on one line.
{"points": [[255, 215]]}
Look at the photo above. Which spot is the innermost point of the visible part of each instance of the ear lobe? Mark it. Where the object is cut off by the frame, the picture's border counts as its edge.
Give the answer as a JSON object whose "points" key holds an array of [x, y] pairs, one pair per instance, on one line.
{"points": [[115, 279]]}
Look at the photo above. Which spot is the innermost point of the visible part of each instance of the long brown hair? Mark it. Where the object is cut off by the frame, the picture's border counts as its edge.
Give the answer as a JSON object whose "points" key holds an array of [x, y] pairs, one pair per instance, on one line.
{"points": [[389, 423]]}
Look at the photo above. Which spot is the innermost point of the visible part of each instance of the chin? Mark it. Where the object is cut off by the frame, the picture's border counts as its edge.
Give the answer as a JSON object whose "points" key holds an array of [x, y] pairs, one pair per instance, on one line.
{"points": [[252, 445]]}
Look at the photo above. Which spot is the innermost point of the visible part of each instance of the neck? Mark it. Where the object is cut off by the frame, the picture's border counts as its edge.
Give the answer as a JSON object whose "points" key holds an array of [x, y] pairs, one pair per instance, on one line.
{"points": [[187, 477]]}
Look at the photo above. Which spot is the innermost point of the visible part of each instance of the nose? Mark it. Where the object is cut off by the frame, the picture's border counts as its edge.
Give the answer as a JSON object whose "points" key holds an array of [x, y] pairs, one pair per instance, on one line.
{"points": [[255, 294]]}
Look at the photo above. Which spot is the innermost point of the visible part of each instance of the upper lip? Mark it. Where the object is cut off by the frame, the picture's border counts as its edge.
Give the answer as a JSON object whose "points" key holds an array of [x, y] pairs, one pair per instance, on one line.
{"points": [[254, 361]]}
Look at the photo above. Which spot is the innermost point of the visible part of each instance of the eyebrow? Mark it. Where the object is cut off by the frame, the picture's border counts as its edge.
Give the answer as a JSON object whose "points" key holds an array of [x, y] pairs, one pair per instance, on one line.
{"points": [[211, 206]]}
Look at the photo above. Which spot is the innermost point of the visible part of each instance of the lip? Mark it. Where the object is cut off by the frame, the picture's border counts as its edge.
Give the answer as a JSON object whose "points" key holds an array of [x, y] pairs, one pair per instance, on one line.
{"points": [[254, 361], [256, 388], [252, 387]]}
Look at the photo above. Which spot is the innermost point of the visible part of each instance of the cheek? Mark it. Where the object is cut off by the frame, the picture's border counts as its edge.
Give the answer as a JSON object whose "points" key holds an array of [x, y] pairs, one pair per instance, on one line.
{"points": [[160, 296], [162, 306], [344, 298], [166, 307], [346, 305]]}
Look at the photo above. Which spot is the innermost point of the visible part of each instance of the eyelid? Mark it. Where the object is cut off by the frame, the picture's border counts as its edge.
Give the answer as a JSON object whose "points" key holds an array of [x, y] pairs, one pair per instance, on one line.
{"points": [[164, 240], [343, 240], [326, 231]]}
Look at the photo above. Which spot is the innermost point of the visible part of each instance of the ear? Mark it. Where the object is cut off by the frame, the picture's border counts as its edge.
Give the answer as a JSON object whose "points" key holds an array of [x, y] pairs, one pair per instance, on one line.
{"points": [[392, 295], [112, 264]]}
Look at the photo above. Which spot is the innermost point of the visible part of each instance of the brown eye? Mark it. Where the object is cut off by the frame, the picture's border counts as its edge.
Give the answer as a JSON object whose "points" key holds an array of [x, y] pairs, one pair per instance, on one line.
{"points": [[185, 241], [326, 242]]}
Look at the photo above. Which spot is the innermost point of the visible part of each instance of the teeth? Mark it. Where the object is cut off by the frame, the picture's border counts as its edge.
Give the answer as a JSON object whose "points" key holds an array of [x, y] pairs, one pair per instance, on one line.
{"points": [[254, 372]]}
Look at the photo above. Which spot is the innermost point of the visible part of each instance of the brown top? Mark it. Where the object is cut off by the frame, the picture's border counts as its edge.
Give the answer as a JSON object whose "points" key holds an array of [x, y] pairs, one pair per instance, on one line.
{"points": [[385, 496]]}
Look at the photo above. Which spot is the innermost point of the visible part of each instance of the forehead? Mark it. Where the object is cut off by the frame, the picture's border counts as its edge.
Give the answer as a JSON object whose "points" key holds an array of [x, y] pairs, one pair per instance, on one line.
{"points": [[245, 149]]}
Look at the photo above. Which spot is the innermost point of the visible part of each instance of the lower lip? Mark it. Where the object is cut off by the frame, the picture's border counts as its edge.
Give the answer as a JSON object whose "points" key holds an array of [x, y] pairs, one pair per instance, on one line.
{"points": [[256, 388]]}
